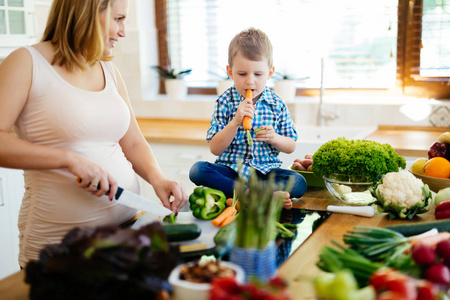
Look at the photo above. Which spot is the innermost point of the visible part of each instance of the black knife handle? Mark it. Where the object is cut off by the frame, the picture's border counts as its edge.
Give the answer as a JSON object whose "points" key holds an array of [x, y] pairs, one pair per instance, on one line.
{"points": [[119, 192]]}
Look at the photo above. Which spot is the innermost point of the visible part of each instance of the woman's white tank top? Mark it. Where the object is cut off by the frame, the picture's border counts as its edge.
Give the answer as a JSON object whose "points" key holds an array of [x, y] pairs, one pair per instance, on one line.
{"points": [[88, 123]]}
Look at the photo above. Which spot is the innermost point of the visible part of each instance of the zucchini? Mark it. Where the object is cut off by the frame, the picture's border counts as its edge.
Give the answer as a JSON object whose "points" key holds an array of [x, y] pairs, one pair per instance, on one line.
{"points": [[181, 232], [410, 229]]}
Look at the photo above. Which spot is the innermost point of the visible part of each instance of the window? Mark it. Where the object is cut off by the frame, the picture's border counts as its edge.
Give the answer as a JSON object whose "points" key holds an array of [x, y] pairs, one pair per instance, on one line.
{"points": [[16, 23], [424, 47], [363, 44]]}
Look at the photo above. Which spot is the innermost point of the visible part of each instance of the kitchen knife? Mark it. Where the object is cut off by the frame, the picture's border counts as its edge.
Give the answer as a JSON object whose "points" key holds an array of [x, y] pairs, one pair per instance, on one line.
{"points": [[138, 202], [364, 211]]}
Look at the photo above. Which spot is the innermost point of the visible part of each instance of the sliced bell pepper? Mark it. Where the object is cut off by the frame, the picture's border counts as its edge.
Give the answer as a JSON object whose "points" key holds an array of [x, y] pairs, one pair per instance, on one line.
{"points": [[207, 203]]}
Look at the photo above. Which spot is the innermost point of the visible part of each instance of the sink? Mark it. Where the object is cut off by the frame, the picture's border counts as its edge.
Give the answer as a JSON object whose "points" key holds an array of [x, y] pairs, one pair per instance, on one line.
{"points": [[312, 137]]}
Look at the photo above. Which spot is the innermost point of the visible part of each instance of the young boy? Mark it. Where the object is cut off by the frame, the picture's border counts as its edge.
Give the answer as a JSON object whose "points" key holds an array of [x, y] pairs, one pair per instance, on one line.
{"points": [[250, 66]]}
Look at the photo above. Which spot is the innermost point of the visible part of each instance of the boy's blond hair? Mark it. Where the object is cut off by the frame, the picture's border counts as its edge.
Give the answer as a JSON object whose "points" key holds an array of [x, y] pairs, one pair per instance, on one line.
{"points": [[74, 28], [253, 44]]}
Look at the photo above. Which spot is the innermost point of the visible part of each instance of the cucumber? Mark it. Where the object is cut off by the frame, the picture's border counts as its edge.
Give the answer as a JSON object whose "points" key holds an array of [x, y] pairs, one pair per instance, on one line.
{"points": [[410, 229], [181, 232]]}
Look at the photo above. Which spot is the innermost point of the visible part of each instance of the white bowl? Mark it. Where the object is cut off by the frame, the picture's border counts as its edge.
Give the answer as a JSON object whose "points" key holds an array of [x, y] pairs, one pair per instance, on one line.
{"points": [[185, 290]]}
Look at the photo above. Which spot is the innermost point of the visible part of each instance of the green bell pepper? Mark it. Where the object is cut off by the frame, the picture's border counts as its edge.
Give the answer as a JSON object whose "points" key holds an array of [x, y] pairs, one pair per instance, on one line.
{"points": [[207, 203]]}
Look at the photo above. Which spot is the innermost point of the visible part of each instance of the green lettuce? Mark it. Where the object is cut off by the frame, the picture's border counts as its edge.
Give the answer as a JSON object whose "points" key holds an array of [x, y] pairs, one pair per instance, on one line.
{"points": [[356, 157]]}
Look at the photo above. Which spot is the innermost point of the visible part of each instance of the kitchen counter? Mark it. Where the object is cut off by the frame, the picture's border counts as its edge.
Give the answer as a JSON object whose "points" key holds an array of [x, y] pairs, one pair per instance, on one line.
{"points": [[406, 140], [302, 262]]}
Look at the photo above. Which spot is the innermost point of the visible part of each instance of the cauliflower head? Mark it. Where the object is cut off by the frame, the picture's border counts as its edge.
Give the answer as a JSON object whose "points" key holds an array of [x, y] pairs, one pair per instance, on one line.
{"points": [[402, 195]]}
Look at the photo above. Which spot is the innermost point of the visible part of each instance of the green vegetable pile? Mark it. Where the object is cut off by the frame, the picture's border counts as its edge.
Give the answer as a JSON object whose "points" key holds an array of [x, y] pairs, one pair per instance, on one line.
{"points": [[356, 157], [104, 263]]}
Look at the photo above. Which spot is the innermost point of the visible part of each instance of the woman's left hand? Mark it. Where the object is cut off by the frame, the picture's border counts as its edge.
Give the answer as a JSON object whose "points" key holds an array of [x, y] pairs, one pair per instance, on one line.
{"points": [[267, 134], [165, 189]]}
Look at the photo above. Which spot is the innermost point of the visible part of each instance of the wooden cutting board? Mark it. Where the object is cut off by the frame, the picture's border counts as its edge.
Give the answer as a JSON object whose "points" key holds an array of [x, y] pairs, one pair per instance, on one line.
{"points": [[204, 242]]}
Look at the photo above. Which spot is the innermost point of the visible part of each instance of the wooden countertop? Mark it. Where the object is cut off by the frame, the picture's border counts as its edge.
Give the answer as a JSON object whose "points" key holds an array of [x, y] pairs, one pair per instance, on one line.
{"points": [[406, 140], [302, 262]]}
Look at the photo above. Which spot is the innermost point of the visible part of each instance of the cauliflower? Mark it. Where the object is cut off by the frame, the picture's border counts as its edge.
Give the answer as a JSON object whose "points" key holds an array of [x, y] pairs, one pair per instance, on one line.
{"points": [[402, 195]]}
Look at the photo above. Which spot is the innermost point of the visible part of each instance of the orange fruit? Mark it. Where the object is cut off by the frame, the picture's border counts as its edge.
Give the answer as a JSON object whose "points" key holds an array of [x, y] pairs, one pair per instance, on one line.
{"points": [[437, 167]]}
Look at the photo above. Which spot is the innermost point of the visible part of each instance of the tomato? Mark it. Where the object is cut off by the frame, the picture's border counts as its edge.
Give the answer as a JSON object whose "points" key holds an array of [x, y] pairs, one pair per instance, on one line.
{"points": [[404, 286], [426, 291], [379, 279], [390, 295]]}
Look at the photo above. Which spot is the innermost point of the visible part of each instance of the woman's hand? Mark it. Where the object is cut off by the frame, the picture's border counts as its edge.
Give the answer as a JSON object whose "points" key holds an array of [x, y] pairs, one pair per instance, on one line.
{"points": [[92, 177], [165, 189], [267, 134]]}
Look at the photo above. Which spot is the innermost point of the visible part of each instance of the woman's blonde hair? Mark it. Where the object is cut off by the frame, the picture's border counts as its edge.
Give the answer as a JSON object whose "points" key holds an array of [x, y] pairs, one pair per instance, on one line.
{"points": [[74, 28], [252, 44]]}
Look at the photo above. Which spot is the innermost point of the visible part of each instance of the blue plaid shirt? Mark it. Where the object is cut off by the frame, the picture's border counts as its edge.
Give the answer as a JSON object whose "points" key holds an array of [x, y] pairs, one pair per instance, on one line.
{"points": [[270, 110]]}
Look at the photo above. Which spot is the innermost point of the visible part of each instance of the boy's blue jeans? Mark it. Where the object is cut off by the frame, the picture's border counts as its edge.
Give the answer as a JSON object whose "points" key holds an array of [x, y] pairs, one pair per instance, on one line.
{"points": [[222, 178]]}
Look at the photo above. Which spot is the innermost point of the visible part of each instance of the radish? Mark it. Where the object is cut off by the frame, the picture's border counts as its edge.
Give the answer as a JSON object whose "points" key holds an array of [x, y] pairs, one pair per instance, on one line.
{"points": [[423, 254], [438, 273], [443, 250]]}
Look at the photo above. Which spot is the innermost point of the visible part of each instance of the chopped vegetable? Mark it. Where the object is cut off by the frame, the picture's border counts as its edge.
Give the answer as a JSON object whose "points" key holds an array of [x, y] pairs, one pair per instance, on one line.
{"points": [[402, 195], [171, 219], [207, 203], [356, 157]]}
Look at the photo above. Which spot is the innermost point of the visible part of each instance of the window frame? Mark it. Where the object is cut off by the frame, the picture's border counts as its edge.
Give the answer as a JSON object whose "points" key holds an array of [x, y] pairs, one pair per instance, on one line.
{"points": [[8, 41], [409, 83]]}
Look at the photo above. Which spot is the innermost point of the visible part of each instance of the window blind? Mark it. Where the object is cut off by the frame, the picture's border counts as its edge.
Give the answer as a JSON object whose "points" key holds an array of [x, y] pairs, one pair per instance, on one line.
{"points": [[357, 40]]}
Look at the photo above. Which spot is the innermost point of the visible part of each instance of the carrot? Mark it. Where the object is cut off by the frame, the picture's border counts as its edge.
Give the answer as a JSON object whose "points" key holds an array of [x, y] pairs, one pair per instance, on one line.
{"points": [[228, 220], [247, 121], [229, 211], [229, 202], [430, 240]]}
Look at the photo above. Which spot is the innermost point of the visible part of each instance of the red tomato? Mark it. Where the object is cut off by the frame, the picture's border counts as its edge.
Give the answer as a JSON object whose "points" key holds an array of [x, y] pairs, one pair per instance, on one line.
{"points": [[404, 286], [390, 295]]}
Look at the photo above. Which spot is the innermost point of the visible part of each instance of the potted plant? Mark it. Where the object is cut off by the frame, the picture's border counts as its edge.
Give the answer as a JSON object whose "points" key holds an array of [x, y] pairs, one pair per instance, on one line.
{"points": [[174, 82], [285, 86], [224, 81]]}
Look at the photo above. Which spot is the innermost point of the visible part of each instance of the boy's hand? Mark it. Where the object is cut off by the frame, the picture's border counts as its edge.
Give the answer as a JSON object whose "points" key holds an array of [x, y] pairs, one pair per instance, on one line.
{"points": [[267, 134], [245, 109]]}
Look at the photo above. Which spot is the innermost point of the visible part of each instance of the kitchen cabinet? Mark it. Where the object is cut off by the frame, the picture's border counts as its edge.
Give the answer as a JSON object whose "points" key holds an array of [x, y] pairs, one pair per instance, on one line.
{"points": [[11, 193], [175, 161]]}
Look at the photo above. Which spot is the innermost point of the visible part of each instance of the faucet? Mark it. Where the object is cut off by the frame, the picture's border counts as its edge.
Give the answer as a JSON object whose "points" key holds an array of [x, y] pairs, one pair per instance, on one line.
{"points": [[323, 117]]}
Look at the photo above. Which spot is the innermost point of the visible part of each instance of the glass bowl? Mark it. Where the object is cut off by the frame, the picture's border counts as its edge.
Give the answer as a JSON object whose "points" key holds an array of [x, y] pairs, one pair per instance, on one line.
{"points": [[350, 189]]}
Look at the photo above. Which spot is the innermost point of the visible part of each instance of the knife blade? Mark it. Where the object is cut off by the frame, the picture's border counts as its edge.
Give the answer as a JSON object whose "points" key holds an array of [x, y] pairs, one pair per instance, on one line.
{"points": [[139, 202]]}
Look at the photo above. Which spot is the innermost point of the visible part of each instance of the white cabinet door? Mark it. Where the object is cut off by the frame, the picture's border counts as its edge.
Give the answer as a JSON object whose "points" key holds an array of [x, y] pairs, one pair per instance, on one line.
{"points": [[11, 193], [175, 161]]}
